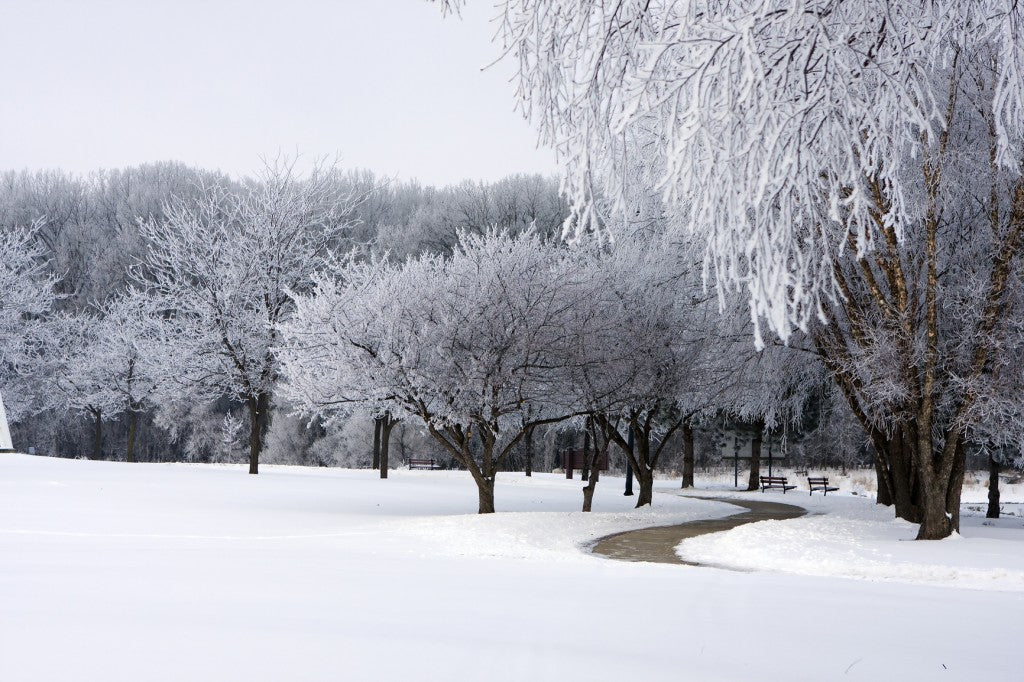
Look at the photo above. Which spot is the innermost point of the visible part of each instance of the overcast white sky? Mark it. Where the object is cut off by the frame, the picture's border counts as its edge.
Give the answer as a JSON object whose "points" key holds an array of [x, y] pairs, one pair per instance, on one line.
{"points": [[387, 84]]}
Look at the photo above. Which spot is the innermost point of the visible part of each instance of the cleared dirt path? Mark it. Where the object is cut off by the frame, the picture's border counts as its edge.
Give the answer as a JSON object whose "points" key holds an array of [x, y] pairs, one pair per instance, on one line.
{"points": [[658, 544]]}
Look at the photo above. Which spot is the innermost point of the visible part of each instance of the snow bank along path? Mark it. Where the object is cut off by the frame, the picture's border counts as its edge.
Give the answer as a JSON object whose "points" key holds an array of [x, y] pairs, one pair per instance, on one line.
{"points": [[851, 537], [659, 544]]}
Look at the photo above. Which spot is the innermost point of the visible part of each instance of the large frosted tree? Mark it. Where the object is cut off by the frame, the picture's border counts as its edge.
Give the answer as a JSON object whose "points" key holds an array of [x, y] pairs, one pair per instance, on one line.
{"points": [[855, 167], [472, 345], [222, 267]]}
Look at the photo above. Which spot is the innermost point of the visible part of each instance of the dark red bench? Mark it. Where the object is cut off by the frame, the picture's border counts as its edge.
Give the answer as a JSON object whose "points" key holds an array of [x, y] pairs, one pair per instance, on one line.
{"points": [[819, 483], [775, 483]]}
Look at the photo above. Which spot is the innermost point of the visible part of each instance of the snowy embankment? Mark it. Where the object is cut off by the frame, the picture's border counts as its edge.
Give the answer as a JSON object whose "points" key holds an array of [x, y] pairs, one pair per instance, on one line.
{"points": [[851, 537], [113, 571]]}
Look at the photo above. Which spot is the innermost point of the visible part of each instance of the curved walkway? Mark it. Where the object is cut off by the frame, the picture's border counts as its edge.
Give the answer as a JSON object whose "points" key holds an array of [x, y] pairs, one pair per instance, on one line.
{"points": [[659, 544]]}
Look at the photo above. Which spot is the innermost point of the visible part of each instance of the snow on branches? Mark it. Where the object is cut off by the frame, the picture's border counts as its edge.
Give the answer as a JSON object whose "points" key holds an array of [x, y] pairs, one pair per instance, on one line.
{"points": [[469, 344], [770, 123], [26, 294], [223, 266]]}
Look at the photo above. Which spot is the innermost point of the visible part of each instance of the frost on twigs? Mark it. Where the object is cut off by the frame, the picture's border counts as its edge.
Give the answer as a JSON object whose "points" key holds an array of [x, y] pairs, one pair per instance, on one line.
{"points": [[768, 124]]}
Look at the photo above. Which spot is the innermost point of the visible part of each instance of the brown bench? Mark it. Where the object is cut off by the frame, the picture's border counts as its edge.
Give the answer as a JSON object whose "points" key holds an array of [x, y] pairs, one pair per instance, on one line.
{"points": [[423, 464], [775, 483], [819, 483]]}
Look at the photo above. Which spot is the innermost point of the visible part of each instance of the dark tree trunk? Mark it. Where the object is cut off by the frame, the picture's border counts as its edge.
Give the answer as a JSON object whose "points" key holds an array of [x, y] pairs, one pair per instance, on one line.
{"points": [[387, 424], [935, 524], [640, 460], [956, 485], [884, 494], [993, 489], [376, 442], [585, 471], [590, 487], [593, 465], [485, 492], [898, 476], [97, 439], [754, 482], [133, 422], [687, 455], [259, 419], [645, 481], [529, 451]]}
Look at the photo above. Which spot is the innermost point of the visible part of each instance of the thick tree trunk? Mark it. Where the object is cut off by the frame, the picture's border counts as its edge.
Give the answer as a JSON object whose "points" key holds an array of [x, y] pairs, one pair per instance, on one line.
{"points": [[645, 481], [935, 523], [485, 492], [754, 482], [687, 455], [993, 489], [376, 442], [898, 473], [133, 422], [97, 439], [259, 419]]}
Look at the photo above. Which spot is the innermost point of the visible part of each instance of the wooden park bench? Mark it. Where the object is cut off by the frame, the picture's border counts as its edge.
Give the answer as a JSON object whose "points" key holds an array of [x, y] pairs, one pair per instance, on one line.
{"points": [[800, 472], [775, 482], [423, 463], [819, 483]]}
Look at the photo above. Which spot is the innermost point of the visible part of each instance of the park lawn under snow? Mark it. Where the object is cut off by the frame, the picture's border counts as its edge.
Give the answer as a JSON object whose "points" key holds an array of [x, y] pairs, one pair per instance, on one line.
{"points": [[112, 571]]}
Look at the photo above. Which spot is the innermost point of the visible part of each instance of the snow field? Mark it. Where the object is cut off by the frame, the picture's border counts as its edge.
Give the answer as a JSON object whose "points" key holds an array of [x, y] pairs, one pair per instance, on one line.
{"points": [[112, 571]]}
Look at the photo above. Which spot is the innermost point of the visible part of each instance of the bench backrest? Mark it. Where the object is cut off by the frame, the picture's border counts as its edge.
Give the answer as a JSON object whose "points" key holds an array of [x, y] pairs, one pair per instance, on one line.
{"points": [[773, 479], [817, 481]]}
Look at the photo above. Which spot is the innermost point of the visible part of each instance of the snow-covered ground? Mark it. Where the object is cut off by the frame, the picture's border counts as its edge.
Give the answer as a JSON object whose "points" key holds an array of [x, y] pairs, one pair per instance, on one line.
{"points": [[847, 537], [112, 571]]}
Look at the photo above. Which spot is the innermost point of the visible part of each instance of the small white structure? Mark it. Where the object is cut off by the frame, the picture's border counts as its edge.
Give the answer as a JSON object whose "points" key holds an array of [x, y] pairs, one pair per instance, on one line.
{"points": [[5, 430]]}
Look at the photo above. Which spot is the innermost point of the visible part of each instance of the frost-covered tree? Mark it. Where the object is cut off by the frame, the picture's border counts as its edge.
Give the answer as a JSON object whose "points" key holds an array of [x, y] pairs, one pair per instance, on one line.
{"points": [[649, 362], [110, 363], [852, 165], [26, 295], [468, 344], [222, 268]]}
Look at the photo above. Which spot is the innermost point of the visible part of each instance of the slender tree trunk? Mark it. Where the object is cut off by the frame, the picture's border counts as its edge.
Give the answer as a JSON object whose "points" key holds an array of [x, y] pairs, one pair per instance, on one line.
{"points": [[590, 487], [387, 424], [594, 466], [585, 471], [687, 455], [754, 482], [376, 441], [883, 485], [133, 422], [528, 437], [259, 418], [993, 489], [97, 439], [956, 485]]}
